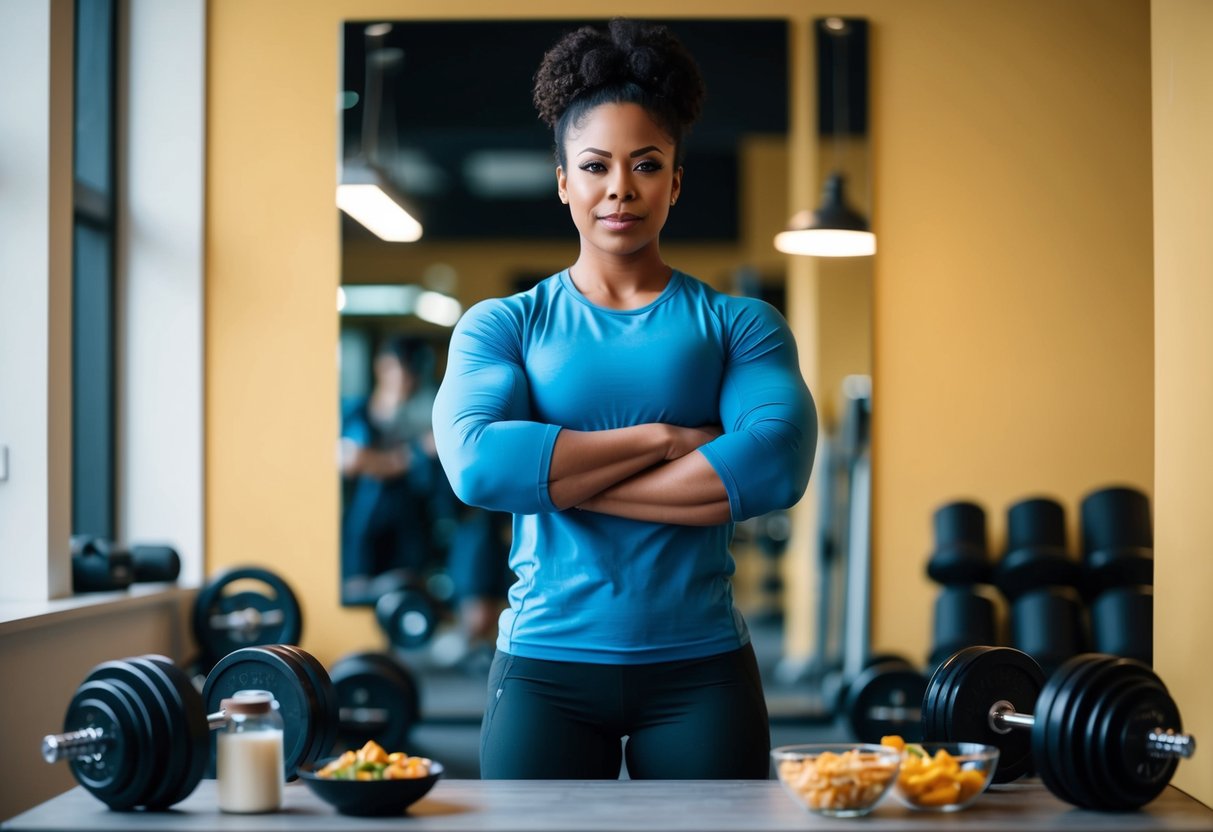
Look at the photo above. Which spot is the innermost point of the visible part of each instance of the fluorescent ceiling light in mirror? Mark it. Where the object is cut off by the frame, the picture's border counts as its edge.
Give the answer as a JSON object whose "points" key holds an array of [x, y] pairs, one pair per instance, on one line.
{"points": [[438, 308], [432, 307], [366, 195]]}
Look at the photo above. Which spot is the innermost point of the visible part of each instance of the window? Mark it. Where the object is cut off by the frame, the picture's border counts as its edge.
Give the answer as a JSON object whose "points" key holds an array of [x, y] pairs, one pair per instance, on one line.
{"points": [[93, 247], [101, 286]]}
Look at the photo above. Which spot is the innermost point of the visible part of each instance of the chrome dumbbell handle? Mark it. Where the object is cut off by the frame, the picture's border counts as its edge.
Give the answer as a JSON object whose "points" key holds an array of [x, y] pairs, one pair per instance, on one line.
{"points": [[1161, 742], [89, 742]]}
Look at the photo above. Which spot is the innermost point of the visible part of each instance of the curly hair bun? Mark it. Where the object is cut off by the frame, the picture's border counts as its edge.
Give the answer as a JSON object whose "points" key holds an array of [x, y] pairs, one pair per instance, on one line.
{"points": [[627, 51]]}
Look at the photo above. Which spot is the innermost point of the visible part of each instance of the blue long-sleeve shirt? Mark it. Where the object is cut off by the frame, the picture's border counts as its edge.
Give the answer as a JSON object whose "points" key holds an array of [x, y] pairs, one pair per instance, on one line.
{"points": [[593, 587]]}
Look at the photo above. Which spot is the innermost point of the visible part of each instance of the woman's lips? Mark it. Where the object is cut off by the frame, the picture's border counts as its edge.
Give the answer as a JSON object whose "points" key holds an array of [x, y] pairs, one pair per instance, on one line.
{"points": [[619, 222]]}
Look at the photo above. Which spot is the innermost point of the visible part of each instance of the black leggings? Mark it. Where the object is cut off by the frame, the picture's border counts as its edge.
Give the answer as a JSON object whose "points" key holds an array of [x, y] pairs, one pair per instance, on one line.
{"points": [[697, 719]]}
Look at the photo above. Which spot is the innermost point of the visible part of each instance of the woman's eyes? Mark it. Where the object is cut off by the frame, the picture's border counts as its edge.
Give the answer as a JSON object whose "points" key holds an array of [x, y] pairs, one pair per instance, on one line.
{"points": [[644, 166]]}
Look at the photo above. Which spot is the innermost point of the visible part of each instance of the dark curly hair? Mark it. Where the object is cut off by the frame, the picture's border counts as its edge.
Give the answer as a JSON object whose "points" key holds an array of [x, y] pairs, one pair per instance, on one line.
{"points": [[628, 62]]}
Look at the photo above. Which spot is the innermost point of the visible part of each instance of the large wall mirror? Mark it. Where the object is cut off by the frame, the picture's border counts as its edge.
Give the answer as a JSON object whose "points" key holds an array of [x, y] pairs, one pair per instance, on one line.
{"points": [[442, 111]]}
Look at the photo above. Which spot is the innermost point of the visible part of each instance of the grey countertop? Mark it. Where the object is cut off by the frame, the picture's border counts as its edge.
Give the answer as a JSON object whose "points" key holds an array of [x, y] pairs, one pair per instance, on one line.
{"points": [[628, 806]]}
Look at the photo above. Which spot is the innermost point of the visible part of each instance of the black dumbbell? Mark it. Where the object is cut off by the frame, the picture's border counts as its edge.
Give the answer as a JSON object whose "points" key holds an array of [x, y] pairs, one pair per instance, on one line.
{"points": [[1105, 733], [245, 606], [377, 699], [1118, 563], [1039, 580], [963, 615], [136, 732], [961, 555], [99, 565], [885, 698], [406, 611]]}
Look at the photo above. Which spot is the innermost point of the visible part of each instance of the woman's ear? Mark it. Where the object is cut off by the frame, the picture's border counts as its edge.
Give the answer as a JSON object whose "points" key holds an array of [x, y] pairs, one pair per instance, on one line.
{"points": [[562, 185], [676, 186]]}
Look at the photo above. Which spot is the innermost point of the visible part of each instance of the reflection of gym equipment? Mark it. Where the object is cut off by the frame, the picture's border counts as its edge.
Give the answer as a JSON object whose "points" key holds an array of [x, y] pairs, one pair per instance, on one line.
{"points": [[225, 621], [136, 732], [406, 611], [843, 550], [1105, 734], [378, 699]]}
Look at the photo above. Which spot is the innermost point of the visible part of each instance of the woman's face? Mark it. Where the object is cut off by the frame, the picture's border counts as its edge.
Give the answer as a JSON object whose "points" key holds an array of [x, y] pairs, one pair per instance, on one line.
{"points": [[621, 178]]}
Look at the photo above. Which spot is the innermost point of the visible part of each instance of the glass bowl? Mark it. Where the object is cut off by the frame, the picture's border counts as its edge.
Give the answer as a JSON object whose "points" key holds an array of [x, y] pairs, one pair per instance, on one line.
{"points": [[842, 780], [944, 776]]}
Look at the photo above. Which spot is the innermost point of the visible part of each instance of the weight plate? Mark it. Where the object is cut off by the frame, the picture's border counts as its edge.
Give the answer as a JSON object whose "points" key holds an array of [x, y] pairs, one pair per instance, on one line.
{"points": [[194, 733], [378, 700], [1049, 733], [1109, 789], [886, 698], [224, 623], [994, 674], [256, 668], [1074, 739], [152, 707], [948, 693], [145, 762], [326, 716], [1041, 752], [1142, 706], [933, 727], [99, 705]]}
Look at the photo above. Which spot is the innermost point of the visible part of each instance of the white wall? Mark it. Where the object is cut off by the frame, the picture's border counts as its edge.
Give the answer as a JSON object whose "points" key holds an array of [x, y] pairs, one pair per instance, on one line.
{"points": [[36, 79]]}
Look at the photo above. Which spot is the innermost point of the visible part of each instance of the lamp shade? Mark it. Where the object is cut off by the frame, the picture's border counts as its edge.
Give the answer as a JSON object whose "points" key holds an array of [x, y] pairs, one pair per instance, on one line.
{"points": [[366, 195], [833, 230]]}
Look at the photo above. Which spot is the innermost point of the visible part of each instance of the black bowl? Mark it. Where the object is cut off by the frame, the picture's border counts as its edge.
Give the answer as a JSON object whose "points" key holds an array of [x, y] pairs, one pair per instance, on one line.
{"points": [[368, 797]]}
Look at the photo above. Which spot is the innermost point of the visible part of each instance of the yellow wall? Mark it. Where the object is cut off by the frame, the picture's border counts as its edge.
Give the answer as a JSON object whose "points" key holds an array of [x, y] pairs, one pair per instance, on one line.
{"points": [[1183, 295], [1013, 320]]}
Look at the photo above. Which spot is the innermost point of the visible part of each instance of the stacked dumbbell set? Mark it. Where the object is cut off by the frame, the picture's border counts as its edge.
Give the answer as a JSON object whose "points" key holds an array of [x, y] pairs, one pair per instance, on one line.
{"points": [[1040, 582], [964, 612], [139, 731]]}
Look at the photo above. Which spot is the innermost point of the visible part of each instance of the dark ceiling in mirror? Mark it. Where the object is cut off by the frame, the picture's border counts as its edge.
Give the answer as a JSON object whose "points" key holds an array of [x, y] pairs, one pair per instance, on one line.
{"points": [[458, 133]]}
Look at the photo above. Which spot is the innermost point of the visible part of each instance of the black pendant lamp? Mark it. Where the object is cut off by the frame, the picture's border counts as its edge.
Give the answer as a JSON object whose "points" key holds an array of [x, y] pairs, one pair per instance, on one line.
{"points": [[835, 229]]}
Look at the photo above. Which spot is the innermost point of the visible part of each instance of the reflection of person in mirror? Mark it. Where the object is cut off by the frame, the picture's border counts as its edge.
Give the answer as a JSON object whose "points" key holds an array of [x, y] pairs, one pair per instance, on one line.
{"points": [[627, 415], [387, 450]]}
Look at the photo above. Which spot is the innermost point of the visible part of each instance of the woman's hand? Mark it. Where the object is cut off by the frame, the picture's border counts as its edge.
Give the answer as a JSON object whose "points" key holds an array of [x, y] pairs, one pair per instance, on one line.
{"points": [[682, 440]]}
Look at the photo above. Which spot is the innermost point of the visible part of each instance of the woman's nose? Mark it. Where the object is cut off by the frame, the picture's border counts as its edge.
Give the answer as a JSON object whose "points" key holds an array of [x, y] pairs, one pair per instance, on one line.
{"points": [[621, 188]]}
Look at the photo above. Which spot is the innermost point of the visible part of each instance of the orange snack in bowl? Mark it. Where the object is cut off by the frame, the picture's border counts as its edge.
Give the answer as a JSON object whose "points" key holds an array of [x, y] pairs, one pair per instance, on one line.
{"points": [[934, 780]]}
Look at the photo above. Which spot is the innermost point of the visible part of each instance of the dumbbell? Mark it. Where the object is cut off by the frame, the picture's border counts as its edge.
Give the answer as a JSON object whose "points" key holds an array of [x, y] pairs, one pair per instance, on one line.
{"points": [[1105, 734], [1118, 564], [406, 611], [100, 565], [136, 732], [377, 699], [885, 698], [1040, 582], [963, 615], [245, 606]]}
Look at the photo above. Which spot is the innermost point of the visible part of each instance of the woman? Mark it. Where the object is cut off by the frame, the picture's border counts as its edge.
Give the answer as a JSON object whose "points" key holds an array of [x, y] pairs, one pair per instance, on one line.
{"points": [[627, 415]]}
